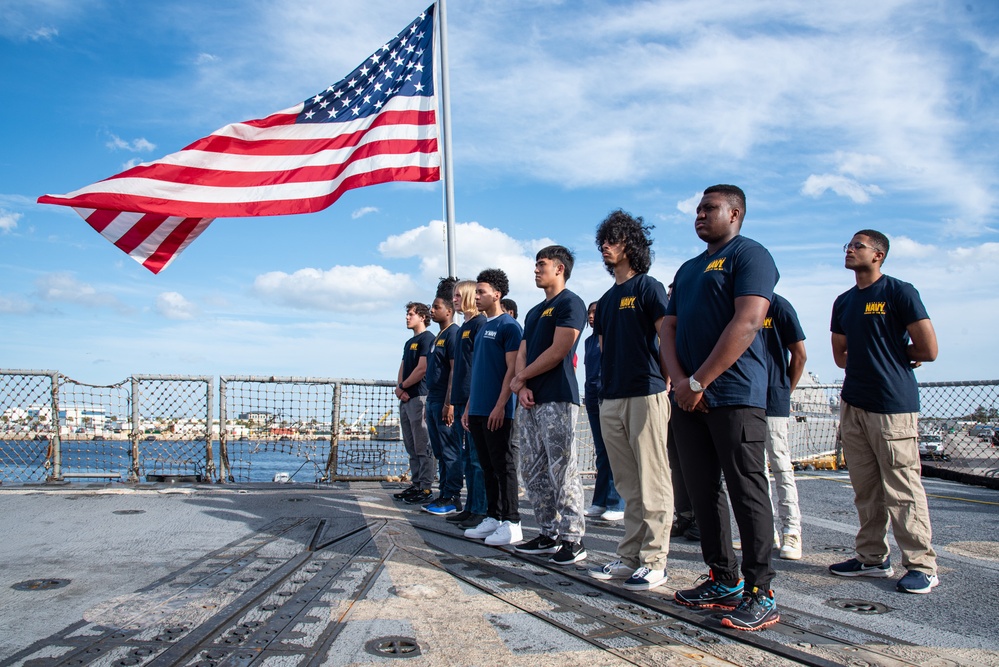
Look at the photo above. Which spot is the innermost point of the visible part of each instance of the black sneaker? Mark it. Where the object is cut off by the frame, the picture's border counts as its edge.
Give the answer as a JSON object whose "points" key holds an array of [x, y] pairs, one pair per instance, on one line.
{"points": [[693, 533], [542, 544], [459, 517], [421, 497], [756, 611], [405, 492], [472, 521], [680, 525], [568, 553], [710, 594]]}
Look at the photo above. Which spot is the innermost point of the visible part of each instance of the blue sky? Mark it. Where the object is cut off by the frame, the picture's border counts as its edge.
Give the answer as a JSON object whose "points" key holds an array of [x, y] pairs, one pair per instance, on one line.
{"points": [[833, 117]]}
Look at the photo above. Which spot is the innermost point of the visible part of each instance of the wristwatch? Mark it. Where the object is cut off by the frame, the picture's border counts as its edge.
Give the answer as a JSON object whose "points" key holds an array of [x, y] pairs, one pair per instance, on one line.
{"points": [[695, 386]]}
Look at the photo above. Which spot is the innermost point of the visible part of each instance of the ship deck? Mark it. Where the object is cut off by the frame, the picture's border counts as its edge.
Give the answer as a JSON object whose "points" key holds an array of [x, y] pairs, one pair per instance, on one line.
{"points": [[294, 574]]}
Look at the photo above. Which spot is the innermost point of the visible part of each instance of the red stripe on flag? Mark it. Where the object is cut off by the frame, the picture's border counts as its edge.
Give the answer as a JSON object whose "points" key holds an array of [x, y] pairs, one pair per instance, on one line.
{"points": [[171, 244], [139, 232], [100, 219]]}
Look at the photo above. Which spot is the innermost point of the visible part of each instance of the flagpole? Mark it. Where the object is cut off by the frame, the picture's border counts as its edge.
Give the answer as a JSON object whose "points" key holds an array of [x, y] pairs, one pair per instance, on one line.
{"points": [[445, 111]]}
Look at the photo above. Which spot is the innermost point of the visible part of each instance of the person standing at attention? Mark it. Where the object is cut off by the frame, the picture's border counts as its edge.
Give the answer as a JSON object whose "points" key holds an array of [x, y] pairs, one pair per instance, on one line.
{"points": [[634, 406], [489, 413], [548, 396], [444, 433], [607, 504], [711, 350], [475, 494], [785, 345], [880, 334], [411, 391]]}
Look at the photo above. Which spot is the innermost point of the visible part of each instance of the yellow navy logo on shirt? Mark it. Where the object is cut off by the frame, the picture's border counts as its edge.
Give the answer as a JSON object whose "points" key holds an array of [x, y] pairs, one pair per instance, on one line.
{"points": [[768, 323], [627, 302], [548, 312], [414, 346], [874, 308], [440, 342], [716, 265], [466, 334]]}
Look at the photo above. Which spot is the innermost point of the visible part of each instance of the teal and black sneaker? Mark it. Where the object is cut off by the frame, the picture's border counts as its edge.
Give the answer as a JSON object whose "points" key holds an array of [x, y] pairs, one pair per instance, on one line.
{"points": [[756, 611], [710, 594]]}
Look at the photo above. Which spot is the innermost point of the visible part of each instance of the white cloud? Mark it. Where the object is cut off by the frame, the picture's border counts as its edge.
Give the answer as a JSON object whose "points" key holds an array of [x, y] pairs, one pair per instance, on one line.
{"points": [[173, 306], [206, 59], [135, 146], [476, 248], [8, 220], [15, 305], [689, 206], [341, 289], [817, 185], [63, 287], [363, 211], [45, 33]]}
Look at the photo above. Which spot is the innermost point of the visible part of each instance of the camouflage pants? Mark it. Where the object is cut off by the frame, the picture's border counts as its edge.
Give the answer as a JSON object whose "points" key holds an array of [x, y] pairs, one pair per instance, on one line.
{"points": [[548, 462]]}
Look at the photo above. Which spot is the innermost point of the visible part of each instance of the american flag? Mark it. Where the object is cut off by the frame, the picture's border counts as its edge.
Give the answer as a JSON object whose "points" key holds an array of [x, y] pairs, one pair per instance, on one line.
{"points": [[378, 124]]}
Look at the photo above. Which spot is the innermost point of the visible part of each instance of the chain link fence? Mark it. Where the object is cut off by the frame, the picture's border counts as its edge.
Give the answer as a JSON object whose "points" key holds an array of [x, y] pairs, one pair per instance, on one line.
{"points": [[163, 428]]}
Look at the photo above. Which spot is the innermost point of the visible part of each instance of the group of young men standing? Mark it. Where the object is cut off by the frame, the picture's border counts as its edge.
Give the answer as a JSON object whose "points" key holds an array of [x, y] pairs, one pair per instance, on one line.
{"points": [[711, 367]]}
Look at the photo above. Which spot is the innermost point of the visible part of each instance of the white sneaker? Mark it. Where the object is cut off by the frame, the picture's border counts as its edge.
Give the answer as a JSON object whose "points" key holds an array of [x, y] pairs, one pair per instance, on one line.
{"points": [[644, 579], [776, 539], [613, 570], [507, 533], [792, 547], [612, 515], [737, 544], [594, 510], [486, 528]]}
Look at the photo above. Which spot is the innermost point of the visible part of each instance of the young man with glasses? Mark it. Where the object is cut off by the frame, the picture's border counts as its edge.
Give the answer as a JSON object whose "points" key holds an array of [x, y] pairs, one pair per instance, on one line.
{"points": [[880, 334]]}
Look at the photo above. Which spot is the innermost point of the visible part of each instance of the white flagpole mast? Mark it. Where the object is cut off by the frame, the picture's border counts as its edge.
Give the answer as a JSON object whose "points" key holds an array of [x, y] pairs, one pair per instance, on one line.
{"points": [[445, 111]]}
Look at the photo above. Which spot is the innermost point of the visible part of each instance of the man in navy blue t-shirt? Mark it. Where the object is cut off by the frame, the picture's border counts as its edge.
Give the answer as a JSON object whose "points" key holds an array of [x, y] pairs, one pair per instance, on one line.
{"points": [[411, 391], [634, 407], [784, 342], [489, 413], [548, 395], [880, 333], [444, 436], [717, 362]]}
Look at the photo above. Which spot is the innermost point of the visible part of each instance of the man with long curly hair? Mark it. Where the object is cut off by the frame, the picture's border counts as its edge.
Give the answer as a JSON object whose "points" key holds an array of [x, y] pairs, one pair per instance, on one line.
{"points": [[634, 406]]}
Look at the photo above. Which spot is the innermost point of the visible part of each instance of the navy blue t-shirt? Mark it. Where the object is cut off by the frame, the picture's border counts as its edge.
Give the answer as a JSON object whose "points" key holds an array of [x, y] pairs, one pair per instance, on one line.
{"points": [[559, 384], [462, 379], [781, 329], [626, 319], [705, 290], [497, 336], [591, 362], [874, 320], [416, 347], [439, 363]]}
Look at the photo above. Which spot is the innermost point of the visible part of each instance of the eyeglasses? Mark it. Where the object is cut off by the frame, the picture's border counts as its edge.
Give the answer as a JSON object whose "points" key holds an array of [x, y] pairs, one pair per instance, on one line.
{"points": [[857, 245]]}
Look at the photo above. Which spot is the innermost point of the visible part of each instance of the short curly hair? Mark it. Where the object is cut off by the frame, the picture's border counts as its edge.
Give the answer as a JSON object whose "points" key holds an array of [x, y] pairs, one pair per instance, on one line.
{"points": [[497, 278], [445, 289], [421, 309], [621, 227]]}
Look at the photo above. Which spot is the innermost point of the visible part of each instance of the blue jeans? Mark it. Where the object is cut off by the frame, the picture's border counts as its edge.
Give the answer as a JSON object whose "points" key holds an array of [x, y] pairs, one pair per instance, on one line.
{"points": [[604, 492], [446, 443], [475, 484]]}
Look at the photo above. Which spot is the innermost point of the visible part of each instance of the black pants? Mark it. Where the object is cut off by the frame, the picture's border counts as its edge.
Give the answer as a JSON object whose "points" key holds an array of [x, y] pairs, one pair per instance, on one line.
{"points": [[728, 440], [498, 457], [681, 499]]}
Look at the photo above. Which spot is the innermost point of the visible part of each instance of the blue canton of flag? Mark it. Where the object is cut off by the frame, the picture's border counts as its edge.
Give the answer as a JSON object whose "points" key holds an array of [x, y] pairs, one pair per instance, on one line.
{"points": [[403, 66]]}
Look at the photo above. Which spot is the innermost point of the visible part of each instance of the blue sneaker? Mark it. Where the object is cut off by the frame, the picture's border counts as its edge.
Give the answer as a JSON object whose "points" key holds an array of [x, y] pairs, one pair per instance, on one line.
{"points": [[756, 611], [443, 506], [854, 568], [915, 581], [710, 594]]}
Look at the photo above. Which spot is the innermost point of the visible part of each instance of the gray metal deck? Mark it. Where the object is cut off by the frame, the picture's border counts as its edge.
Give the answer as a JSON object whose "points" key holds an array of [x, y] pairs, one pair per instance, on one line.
{"points": [[296, 575]]}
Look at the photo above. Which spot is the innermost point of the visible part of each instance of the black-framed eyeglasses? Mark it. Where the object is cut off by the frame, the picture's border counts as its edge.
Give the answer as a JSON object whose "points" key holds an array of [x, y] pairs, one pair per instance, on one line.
{"points": [[857, 245]]}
